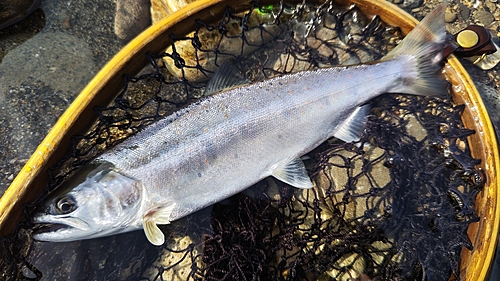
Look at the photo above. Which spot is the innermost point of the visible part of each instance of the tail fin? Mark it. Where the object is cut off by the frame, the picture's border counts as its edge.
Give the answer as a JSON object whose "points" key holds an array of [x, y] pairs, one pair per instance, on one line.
{"points": [[424, 47]]}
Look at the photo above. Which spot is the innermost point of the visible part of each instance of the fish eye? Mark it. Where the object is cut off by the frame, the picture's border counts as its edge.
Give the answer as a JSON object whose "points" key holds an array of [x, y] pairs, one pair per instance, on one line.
{"points": [[66, 205]]}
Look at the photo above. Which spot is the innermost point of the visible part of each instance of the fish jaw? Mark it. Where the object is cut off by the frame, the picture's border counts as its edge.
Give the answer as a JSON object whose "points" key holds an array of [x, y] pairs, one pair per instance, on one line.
{"points": [[50, 228], [70, 229]]}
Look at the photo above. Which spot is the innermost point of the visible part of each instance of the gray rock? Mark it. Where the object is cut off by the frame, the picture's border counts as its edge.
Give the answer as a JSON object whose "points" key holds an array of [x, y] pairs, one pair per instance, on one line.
{"points": [[59, 60], [131, 18], [483, 17], [91, 21], [492, 7], [491, 99], [464, 11], [450, 17], [412, 4], [38, 80], [27, 113]]}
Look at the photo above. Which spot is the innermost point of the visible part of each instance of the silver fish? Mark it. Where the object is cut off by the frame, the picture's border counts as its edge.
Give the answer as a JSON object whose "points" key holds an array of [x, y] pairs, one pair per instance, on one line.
{"points": [[226, 142]]}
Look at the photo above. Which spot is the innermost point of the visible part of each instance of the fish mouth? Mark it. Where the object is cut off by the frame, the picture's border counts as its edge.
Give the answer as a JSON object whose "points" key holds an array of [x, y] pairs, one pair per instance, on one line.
{"points": [[53, 232], [59, 229], [41, 228]]}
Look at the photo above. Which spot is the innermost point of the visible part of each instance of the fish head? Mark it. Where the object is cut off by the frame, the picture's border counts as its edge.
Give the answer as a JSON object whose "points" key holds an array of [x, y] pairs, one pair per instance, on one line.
{"points": [[96, 201]]}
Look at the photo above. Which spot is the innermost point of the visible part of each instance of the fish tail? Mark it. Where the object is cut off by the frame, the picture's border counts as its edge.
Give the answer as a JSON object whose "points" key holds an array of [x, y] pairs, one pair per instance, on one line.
{"points": [[421, 52]]}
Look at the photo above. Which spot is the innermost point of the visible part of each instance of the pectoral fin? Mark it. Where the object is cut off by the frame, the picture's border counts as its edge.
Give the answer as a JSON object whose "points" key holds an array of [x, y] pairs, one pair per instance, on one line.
{"points": [[151, 221], [153, 233], [293, 173], [352, 128]]}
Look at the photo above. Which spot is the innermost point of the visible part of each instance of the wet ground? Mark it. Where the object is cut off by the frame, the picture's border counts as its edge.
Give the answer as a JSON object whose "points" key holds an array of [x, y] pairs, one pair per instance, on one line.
{"points": [[46, 60]]}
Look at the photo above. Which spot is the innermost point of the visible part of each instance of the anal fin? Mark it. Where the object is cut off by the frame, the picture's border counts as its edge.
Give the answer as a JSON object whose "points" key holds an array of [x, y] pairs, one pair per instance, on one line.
{"points": [[352, 128], [293, 173]]}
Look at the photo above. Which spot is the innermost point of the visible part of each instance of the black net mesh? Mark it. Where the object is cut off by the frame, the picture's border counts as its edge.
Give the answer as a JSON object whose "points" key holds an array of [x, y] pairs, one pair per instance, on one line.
{"points": [[395, 206]]}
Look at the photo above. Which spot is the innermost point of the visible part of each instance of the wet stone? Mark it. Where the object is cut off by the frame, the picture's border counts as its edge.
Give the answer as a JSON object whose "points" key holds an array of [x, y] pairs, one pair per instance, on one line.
{"points": [[91, 22], [491, 6], [48, 57], [450, 17], [464, 11], [132, 17], [491, 101], [22, 128], [412, 4], [483, 17], [15, 35], [111, 258]]}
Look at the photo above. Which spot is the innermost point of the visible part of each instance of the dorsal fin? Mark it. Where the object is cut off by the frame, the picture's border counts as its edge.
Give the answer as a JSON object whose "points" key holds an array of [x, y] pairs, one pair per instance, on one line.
{"points": [[226, 77]]}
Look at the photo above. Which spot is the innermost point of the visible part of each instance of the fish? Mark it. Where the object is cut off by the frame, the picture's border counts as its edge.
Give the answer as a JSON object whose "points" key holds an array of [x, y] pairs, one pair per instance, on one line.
{"points": [[237, 135]]}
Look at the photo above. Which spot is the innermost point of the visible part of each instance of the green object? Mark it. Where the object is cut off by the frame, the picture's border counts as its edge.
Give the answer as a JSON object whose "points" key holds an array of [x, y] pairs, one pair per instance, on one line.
{"points": [[265, 9]]}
